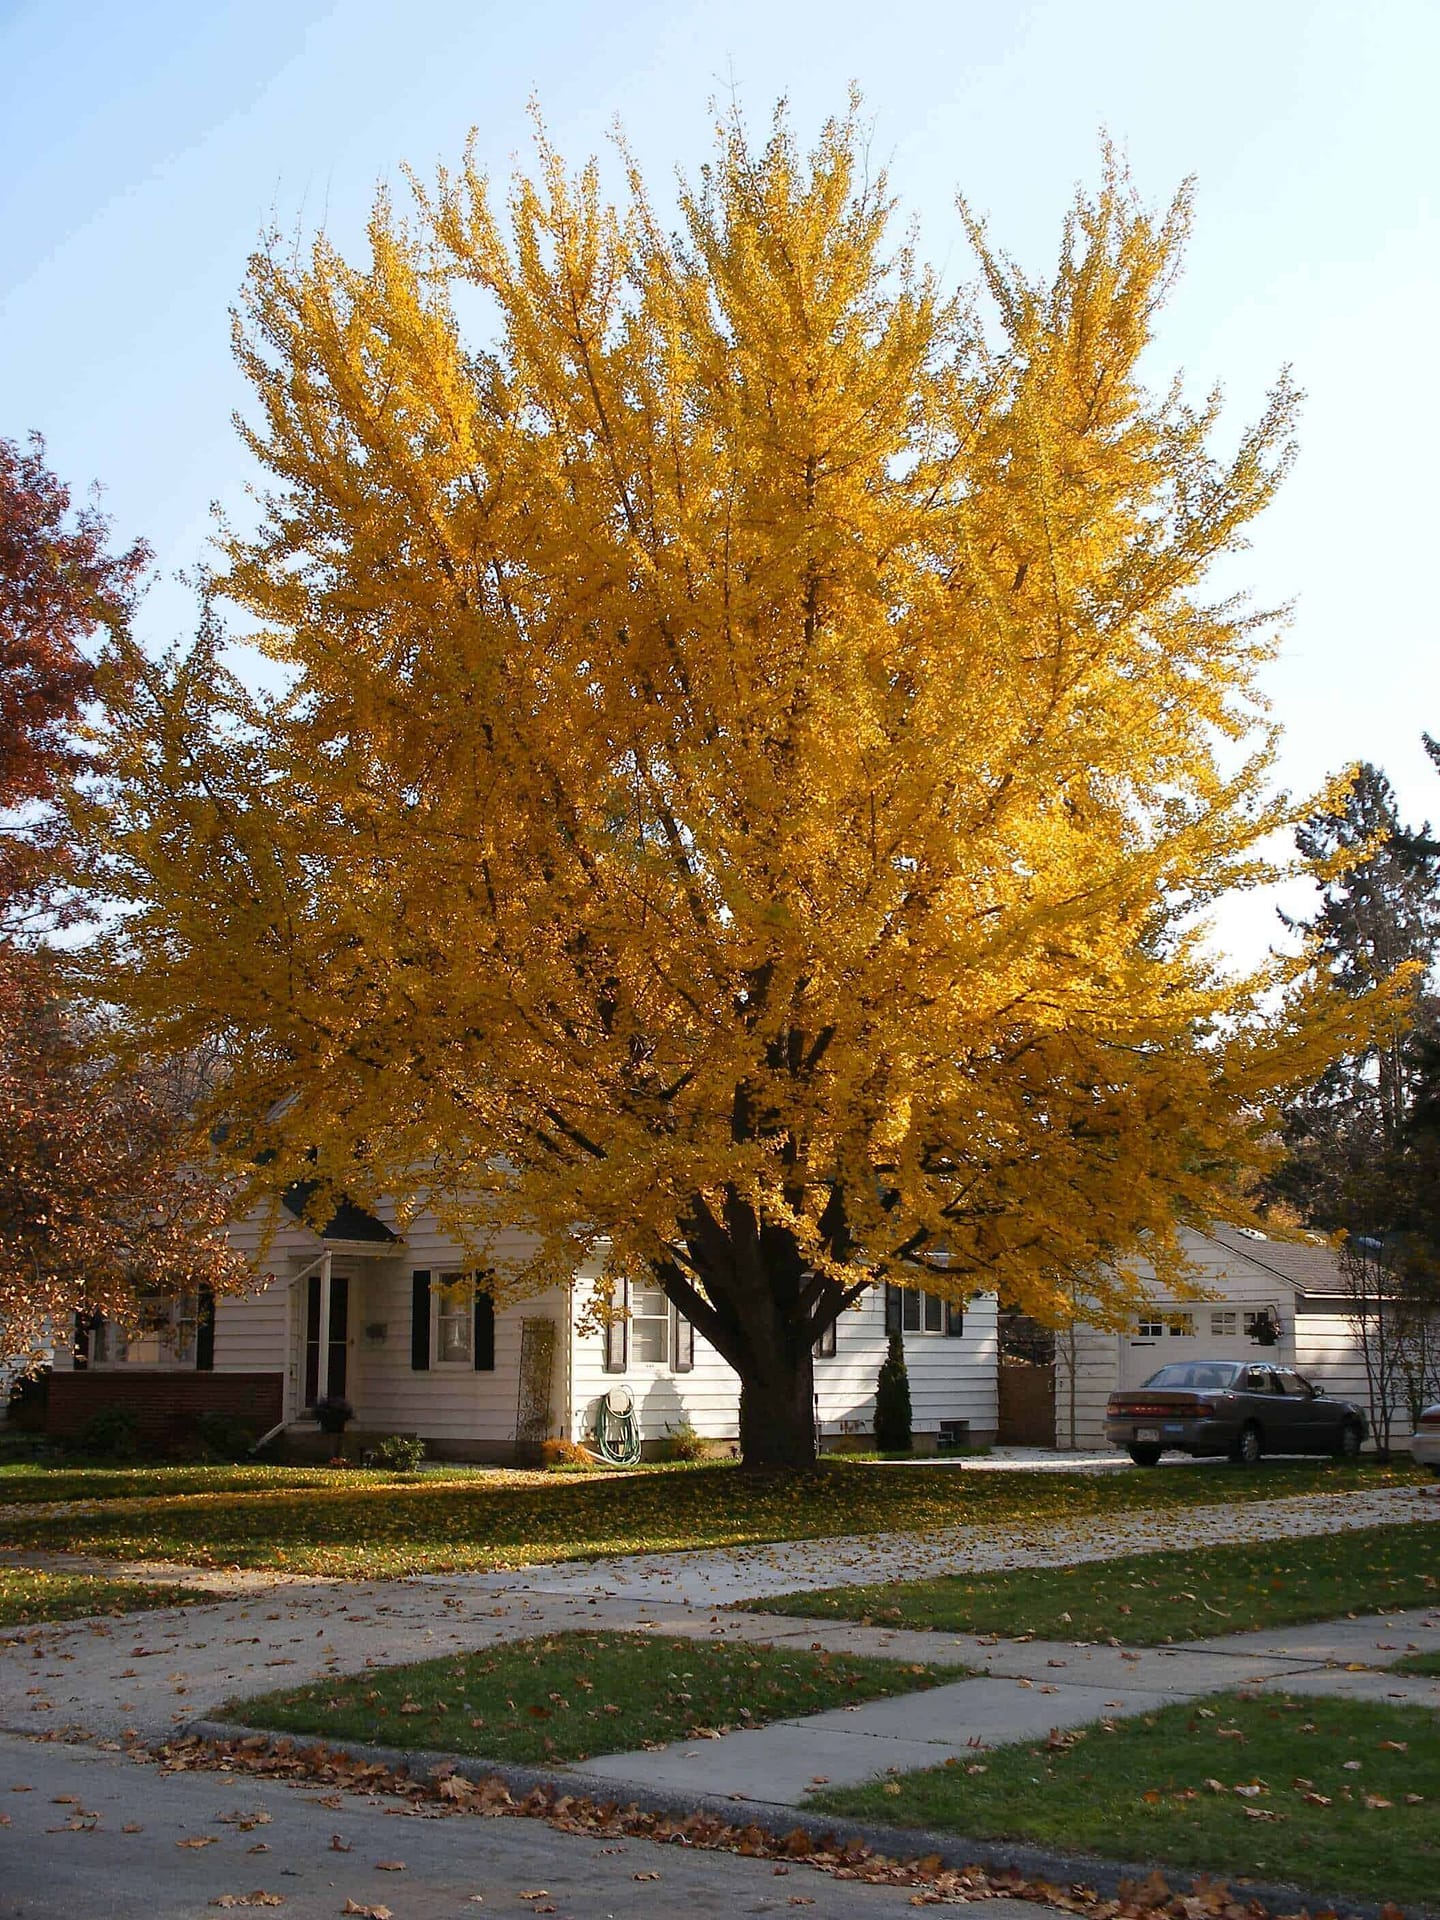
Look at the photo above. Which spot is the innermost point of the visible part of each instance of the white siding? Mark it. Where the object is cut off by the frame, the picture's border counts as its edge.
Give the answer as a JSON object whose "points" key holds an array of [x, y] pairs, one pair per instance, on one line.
{"points": [[708, 1397], [1327, 1354], [448, 1401], [950, 1379]]}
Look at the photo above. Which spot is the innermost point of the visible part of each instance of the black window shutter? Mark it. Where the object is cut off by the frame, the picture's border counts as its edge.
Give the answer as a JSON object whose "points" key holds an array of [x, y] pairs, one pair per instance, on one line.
{"points": [[420, 1322], [684, 1342], [484, 1326], [954, 1320], [894, 1307], [617, 1333], [205, 1331], [80, 1347]]}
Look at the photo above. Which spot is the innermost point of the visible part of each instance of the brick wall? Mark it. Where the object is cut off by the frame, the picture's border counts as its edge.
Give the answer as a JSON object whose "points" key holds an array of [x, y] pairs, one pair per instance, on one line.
{"points": [[166, 1405]]}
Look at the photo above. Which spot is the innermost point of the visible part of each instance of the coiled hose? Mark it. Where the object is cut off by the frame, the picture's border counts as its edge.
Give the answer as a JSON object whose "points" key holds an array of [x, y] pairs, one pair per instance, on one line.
{"points": [[617, 1431]]}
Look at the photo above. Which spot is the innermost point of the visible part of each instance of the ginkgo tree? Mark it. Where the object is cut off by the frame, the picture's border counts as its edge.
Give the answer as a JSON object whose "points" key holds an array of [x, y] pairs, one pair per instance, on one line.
{"points": [[756, 748]]}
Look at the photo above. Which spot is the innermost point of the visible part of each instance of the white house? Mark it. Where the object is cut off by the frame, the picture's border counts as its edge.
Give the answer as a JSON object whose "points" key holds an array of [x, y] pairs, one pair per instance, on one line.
{"points": [[1283, 1299], [402, 1328]]}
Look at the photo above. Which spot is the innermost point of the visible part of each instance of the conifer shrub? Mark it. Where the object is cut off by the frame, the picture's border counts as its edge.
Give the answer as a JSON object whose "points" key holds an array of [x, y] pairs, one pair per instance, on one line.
{"points": [[892, 1401]]}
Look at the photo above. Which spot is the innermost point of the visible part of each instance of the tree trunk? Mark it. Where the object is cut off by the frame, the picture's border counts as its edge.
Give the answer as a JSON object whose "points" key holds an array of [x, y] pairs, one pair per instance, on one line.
{"points": [[777, 1417], [758, 1310]]}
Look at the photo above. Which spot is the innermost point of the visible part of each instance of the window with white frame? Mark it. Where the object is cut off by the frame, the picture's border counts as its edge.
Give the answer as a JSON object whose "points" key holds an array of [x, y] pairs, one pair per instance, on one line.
{"points": [[1180, 1323], [1149, 1327], [649, 1326], [163, 1334], [1224, 1322], [909, 1311], [454, 1295]]}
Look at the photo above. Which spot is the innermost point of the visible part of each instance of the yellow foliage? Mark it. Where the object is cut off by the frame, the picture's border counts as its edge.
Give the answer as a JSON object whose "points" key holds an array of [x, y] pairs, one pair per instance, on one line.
{"points": [[758, 740]]}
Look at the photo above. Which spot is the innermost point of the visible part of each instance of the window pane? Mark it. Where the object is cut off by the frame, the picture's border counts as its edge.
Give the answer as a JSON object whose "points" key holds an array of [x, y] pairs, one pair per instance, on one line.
{"points": [[453, 1318], [910, 1304], [934, 1313], [650, 1326], [650, 1340]]}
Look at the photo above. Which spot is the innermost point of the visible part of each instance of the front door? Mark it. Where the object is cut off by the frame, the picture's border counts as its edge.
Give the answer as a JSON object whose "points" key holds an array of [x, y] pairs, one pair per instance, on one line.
{"points": [[336, 1337]]}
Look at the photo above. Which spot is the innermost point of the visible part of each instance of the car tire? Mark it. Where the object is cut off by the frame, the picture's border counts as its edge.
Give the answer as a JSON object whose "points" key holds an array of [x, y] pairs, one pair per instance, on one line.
{"points": [[1248, 1446], [1144, 1456], [1349, 1441]]}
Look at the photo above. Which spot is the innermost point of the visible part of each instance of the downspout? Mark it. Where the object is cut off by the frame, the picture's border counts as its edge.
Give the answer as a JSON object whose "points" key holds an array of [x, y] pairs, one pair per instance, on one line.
{"points": [[567, 1419]]}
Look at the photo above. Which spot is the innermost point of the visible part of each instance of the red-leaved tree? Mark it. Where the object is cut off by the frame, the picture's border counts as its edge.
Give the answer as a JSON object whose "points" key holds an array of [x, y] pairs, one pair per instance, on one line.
{"points": [[96, 1204]]}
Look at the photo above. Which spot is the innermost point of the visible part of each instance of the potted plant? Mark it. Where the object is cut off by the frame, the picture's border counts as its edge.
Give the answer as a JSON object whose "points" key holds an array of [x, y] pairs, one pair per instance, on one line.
{"points": [[333, 1413]]}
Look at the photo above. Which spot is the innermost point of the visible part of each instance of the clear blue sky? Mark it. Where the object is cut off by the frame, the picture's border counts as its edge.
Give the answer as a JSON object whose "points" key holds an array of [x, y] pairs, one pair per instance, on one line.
{"points": [[144, 147]]}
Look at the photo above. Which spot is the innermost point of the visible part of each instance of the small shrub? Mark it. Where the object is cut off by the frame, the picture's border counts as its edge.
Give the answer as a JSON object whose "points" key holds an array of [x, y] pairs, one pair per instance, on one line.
{"points": [[400, 1452], [113, 1431], [224, 1437], [27, 1401], [892, 1401], [562, 1456], [684, 1443], [333, 1413]]}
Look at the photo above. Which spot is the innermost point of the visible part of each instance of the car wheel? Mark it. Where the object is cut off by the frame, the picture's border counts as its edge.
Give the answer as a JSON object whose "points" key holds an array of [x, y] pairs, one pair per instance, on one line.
{"points": [[1248, 1448], [1144, 1456], [1349, 1441]]}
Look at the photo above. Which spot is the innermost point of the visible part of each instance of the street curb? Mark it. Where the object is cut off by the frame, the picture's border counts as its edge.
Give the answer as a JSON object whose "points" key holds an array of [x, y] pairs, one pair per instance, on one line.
{"points": [[897, 1843]]}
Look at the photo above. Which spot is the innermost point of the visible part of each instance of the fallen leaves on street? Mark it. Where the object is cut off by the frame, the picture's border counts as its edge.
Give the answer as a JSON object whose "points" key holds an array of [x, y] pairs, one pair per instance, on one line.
{"points": [[444, 1790]]}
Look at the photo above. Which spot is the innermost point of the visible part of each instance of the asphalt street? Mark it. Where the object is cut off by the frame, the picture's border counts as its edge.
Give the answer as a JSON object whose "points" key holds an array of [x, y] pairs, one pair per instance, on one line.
{"points": [[93, 1835]]}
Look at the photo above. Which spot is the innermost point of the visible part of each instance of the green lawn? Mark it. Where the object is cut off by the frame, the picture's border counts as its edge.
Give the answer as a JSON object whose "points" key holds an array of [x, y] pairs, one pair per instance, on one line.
{"points": [[33, 1484], [1339, 1796], [1425, 1663], [28, 1597], [569, 1695], [365, 1526], [1146, 1599]]}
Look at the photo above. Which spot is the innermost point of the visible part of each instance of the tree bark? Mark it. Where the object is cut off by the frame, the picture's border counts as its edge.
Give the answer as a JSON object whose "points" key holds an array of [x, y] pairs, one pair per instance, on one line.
{"points": [[745, 1288], [777, 1414]]}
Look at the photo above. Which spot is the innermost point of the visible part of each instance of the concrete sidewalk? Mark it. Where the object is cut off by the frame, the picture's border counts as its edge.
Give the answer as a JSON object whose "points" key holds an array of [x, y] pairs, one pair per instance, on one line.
{"points": [[1025, 1690], [153, 1671], [719, 1577]]}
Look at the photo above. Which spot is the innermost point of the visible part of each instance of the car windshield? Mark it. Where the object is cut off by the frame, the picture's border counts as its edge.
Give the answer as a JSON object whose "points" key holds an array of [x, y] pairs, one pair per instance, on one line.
{"points": [[1196, 1373]]}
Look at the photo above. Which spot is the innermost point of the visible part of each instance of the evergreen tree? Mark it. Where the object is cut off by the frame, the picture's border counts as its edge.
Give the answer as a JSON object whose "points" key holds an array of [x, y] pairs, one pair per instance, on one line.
{"points": [[1348, 1137], [892, 1401]]}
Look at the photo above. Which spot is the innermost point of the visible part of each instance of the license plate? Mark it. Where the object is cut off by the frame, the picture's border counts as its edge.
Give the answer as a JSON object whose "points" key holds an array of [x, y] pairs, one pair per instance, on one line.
{"points": [[1147, 1433]]}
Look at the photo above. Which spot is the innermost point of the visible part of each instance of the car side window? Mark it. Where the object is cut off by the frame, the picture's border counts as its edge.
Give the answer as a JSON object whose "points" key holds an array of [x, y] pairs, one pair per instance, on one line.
{"points": [[1257, 1380], [1293, 1385]]}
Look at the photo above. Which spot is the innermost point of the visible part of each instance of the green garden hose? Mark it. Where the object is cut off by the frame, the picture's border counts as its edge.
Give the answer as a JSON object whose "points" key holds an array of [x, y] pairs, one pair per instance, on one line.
{"points": [[617, 1431]]}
